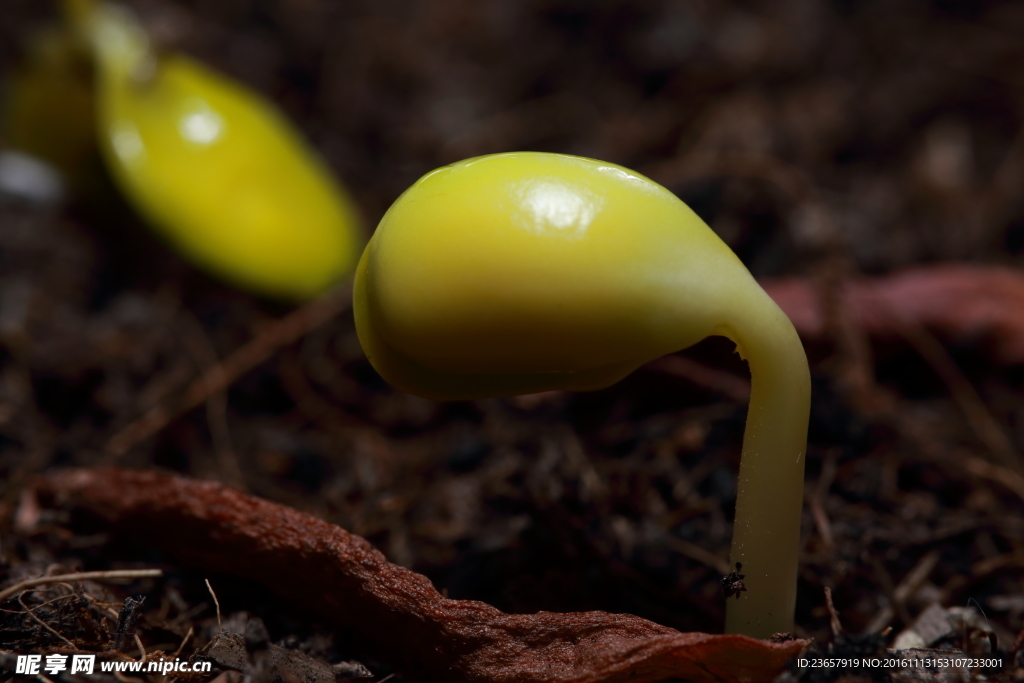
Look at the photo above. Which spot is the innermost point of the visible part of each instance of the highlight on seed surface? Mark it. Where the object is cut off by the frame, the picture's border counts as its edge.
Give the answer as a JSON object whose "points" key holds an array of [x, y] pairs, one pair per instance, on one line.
{"points": [[524, 272], [214, 167]]}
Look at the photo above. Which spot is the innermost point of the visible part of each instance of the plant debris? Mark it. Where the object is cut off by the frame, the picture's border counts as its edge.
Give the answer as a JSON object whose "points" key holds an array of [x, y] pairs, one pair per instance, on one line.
{"points": [[345, 581], [126, 621], [964, 303]]}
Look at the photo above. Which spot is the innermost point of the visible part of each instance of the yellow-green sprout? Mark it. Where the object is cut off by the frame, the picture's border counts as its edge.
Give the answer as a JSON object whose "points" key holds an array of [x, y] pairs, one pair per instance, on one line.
{"points": [[213, 166], [525, 272], [48, 110]]}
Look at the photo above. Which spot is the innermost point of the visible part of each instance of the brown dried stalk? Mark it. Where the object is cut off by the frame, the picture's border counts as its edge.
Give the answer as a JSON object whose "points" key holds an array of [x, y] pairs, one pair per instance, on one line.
{"points": [[80, 576], [344, 580], [959, 301]]}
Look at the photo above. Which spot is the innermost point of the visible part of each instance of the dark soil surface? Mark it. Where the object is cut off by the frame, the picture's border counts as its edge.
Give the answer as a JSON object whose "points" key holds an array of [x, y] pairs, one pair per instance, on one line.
{"points": [[862, 137]]}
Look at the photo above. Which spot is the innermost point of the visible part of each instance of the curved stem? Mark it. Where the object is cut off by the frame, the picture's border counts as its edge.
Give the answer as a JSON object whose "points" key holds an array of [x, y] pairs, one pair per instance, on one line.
{"points": [[766, 532], [118, 42], [77, 12]]}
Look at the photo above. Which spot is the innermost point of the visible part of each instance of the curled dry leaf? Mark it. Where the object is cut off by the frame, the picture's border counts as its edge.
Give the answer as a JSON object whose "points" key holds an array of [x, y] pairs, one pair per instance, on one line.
{"points": [[960, 301], [345, 581]]}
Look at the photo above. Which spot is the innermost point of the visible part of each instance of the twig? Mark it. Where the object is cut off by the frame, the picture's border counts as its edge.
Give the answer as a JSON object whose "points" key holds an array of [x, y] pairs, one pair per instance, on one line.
{"points": [[142, 648], [985, 426], [275, 335], [204, 355], [40, 605], [899, 610], [915, 577], [833, 616], [43, 623], [817, 501], [102, 605], [695, 552], [308, 402], [81, 576], [905, 590], [188, 636], [1000, 475], [215, 602]]}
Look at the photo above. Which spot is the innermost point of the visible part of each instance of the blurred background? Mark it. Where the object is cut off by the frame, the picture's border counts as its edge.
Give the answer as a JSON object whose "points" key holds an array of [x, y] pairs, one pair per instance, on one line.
{"points": [[820, 139]]}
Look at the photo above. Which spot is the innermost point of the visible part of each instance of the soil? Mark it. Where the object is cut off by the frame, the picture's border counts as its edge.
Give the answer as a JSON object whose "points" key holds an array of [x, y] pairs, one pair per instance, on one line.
{"points": [[819, 139]]}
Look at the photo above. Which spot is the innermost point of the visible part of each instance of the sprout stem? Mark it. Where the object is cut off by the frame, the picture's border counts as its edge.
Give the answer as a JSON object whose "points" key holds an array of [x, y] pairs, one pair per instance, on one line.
{"points": [[766, 532], [114, 36]]}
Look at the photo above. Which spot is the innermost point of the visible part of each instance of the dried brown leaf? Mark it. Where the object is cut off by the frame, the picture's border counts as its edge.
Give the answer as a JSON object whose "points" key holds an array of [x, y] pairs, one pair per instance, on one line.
{"points": [[344, 580], [960, 301]]}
